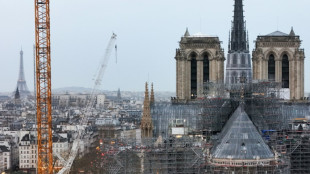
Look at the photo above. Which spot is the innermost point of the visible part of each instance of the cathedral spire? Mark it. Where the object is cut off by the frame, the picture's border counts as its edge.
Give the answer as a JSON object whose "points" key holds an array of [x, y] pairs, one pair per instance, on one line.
{"points": [[146, 96], [229, 41], [238, 33], [17, 96], [152, 99], [146, 120]]}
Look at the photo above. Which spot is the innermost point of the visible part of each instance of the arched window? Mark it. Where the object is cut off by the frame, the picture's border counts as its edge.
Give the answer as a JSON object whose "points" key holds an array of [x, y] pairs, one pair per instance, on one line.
{"points": [[243, 78], [285, 72], [243, 59], [235, 61], [193, 76], [234, 77], [271, 68], [206, 67]]}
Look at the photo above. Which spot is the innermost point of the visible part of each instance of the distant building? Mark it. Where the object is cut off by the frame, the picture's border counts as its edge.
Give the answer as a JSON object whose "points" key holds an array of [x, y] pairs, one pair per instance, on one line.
{"points": [[76, 100], [100, 101], [4, 98], [119, 96], [28, 153], [17, 98], [6, 158]]}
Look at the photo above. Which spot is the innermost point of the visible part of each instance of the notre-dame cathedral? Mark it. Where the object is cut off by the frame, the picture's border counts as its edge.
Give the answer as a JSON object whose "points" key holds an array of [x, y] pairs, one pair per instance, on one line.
{"points": [[250, 117], [277, 57]]}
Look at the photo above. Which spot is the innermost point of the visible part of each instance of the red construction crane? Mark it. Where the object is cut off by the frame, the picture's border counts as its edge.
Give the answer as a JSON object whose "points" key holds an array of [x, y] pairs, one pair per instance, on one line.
{"points": [[43, 86]]}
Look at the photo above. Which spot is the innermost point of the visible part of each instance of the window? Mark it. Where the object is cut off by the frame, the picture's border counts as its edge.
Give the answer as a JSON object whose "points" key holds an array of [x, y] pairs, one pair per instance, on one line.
{"points": [[234, 77], [206, 67], [285, 71], [243, 59], [193, 76], [271, 68], [235, 61]]}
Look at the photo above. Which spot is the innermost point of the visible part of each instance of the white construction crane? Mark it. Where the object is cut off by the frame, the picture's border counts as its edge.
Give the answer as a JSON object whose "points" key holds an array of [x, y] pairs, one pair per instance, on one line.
{"points": [[84, 120]]}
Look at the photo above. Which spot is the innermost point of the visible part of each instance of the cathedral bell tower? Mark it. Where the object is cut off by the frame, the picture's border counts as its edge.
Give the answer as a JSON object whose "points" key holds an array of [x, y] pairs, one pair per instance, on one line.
{"points": [[277, 57], [199, 59]]}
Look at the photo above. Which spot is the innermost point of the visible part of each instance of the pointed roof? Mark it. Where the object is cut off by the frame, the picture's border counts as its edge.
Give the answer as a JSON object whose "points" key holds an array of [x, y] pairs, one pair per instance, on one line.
{"points": [[17, 95], [146, 96], [292, 33], [238, 33], [152, 99], [146, 120], [240, 139], [186, 33]]}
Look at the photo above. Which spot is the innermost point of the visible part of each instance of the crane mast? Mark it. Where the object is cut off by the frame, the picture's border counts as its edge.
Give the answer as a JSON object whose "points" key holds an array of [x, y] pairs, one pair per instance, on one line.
{"points": [[84, 120], [102, 68], [43, 86]]}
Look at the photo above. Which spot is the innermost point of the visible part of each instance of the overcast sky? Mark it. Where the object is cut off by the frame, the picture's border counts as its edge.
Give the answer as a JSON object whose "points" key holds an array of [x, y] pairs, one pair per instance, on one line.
{"points": [[148, 34]]}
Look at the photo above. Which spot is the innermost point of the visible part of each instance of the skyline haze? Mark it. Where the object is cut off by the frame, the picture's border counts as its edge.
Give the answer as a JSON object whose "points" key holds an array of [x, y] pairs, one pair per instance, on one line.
{"points": [[148, 34]]}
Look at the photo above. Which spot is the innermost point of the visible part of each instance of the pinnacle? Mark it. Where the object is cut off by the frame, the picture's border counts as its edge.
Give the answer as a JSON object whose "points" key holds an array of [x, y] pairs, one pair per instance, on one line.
{"points": [[186, 33], [292, 33]]}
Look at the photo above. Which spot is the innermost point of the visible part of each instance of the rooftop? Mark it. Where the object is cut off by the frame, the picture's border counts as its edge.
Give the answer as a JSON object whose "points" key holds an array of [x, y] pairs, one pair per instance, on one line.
{"points": [[277, 33], [240, 139]]}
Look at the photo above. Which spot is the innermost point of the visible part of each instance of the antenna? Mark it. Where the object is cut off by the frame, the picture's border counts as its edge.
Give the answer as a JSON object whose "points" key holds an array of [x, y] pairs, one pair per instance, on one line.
{"points": [[200, 24], [116, 53]]}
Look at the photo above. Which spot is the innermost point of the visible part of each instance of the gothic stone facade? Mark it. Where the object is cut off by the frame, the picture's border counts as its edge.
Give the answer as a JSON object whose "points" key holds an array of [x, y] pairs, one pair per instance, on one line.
{"points": [[238, 66], [199, 59], [278, 57]]}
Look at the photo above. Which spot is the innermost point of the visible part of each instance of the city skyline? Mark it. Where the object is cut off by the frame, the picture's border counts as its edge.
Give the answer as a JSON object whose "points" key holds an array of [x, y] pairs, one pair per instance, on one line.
{"points": [[146, 43]]}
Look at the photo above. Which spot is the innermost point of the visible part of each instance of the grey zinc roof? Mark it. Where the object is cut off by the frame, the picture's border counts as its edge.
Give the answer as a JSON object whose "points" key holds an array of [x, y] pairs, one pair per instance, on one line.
{"points": [[240, 139], [277, 33]]}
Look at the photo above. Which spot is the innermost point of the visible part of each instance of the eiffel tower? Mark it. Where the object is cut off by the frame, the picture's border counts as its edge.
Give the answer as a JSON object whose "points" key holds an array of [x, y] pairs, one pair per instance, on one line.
{"points": [[21, 82]]}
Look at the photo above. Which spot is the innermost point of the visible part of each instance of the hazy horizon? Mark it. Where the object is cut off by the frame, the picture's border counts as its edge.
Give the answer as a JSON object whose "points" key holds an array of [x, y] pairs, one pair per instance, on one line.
{"points": [[148, 34]]}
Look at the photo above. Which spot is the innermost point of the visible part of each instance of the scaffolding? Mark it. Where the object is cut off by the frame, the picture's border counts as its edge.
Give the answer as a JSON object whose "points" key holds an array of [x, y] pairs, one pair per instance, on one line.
{"points": [[174, 155], [283, 125], [263, 105], [293, 144]]}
